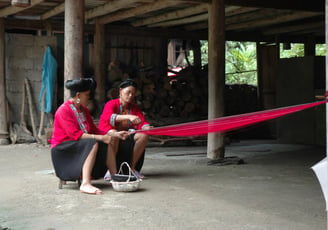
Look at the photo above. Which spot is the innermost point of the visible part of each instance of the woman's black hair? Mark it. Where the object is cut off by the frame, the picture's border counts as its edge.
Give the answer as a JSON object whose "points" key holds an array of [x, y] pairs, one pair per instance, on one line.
{"points": [[128, 82], [80, 85]]}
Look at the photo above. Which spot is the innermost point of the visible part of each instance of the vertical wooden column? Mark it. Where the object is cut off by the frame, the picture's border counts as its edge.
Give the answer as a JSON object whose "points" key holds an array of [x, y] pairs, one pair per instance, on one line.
{"points": [[99, 62], [326, 34], [3, 99], [197, 53], [309, 46], [73, 56], [216, 74]]}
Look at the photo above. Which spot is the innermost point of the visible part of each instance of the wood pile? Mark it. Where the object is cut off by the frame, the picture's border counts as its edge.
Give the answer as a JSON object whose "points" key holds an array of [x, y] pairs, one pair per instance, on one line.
{"points": [[182, 98]]}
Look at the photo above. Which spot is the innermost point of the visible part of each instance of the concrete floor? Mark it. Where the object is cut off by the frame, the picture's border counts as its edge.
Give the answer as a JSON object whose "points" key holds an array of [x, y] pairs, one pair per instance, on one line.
{"points": [[275, 189]]}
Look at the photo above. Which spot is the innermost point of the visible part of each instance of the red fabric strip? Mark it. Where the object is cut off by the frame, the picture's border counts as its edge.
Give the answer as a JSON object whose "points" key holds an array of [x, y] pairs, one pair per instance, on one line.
{"points": [[225, 124]]}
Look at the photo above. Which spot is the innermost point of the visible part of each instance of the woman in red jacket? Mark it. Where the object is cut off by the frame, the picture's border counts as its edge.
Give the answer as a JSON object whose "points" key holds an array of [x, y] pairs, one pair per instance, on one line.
{"points": [[78, 148], [122, 114]]}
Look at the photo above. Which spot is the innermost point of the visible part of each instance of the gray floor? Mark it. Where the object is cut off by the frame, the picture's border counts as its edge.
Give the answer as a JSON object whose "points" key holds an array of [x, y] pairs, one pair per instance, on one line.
{"points": [[275, 189]]}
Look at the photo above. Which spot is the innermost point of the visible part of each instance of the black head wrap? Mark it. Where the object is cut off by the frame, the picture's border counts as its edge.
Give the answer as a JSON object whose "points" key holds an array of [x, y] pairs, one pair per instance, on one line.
{"points": [[128, 82], [80, 85]]}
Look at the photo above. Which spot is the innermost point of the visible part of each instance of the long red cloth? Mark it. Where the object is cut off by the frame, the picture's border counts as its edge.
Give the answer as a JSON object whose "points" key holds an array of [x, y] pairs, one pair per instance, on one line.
{"points": [[225, 124]]}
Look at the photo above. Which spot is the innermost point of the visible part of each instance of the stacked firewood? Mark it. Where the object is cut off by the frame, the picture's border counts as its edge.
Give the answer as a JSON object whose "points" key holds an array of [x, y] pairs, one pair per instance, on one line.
{"points": [[182, 98]]}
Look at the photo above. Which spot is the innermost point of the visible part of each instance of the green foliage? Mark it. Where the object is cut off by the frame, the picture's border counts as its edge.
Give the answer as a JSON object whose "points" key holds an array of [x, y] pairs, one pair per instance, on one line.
{"points": [[320, 50], [241, 64], [296, 50]]}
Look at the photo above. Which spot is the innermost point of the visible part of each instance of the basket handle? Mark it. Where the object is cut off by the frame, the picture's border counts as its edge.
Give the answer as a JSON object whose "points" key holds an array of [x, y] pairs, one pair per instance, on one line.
{"points": [[130, 170]]}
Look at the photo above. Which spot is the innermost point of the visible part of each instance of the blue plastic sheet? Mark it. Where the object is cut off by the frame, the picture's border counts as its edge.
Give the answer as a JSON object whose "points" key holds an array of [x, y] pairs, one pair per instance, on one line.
{"points": [[49, 74]]}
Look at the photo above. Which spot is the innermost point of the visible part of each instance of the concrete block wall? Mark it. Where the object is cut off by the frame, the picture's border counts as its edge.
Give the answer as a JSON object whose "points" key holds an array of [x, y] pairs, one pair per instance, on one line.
{"points": [[24, 59]]}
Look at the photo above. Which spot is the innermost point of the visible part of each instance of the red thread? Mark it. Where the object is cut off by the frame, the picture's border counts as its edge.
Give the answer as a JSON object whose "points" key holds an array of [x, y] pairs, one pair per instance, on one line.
{"points": [[225, 124]]}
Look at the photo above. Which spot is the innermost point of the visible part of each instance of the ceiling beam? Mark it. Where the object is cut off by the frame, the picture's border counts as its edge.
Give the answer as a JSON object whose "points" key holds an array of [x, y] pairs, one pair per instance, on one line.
{"points": [[10, 10], [110, 7], [229, 11], [290, 16], [315, 5], [294, 28], [172, 15], [146, 8], [193, 19], [55, 26], [55, 11]]}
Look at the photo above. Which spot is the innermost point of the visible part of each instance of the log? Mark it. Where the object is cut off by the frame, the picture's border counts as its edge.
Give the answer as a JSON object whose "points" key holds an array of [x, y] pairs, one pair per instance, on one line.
{"points": [[30, 105], [22, 121], [40, 136]]}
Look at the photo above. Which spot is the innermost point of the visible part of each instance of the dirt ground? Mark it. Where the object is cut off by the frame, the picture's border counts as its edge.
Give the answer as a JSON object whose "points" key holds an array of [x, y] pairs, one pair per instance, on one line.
{"points": [[274, 189]]}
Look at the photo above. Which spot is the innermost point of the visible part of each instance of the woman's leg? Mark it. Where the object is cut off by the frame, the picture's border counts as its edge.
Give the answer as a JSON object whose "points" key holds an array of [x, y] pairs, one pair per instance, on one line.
{"points": [[89, 162], [111, 155], [139, 147]]}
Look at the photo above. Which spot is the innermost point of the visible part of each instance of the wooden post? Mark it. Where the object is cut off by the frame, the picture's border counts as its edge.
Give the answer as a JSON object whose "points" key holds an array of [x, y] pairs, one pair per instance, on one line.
{"points": [[74, 22], [3, 99], [326, 17], [216, 74], [197, 53], [309, 46], [99, 62]]}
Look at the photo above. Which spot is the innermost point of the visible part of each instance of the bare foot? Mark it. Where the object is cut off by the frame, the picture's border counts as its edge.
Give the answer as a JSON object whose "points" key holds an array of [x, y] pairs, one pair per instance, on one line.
{"points": [[89, 189]]}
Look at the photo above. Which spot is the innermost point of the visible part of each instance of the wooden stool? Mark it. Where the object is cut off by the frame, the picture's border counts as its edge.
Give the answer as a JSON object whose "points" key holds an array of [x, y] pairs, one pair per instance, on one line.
{"points": [[63, 182]]}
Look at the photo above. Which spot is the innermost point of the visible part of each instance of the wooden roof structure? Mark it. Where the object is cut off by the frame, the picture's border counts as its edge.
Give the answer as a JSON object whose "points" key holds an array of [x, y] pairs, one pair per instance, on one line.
{"points": [[245, 20]]}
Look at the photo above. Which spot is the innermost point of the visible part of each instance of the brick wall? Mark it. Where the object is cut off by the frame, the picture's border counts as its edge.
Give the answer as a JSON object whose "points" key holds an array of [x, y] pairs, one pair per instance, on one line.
{"points": [[24, 58]]}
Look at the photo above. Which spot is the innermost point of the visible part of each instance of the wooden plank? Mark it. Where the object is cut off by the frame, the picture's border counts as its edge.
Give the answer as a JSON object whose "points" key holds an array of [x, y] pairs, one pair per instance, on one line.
{"points": [[315, 6], [172, 15], [294, 28], [289, 16], [109, 7], [137, 11], [188, 20], [55, 11], [10, 10]]}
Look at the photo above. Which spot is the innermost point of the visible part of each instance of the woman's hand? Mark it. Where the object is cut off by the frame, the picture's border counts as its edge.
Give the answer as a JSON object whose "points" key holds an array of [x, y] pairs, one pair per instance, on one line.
{"points": [[118, 134], [122, 134], [135, 119], [106, 139], [148, 127]]}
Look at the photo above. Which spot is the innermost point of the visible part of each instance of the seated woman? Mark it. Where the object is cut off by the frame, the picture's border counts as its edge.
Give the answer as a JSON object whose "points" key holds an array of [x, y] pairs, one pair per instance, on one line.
{"points": [[78, 148], [122, 114]]}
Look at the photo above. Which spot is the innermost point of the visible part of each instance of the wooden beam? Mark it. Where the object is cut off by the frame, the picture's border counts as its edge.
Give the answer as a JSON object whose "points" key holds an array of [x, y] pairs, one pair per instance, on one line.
{"points": [[55, 11], [229, 11], [188, 20], [203, 17], [137, 11], [99, 60], [294, 28], [4, 134], [289, 16], [13, 23], [315, 6], [216, 75], [73, 56], [10, 10], [110, 7], [172, 15]]}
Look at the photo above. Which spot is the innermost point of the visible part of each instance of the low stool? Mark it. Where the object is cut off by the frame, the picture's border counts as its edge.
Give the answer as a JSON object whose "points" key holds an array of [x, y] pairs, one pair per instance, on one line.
{"points": [[63, 182]]}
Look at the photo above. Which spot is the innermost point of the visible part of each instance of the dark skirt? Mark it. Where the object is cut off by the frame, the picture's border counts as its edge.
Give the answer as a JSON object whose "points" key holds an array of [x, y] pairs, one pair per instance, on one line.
{"points": [[68, 159], [125, 152]]}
